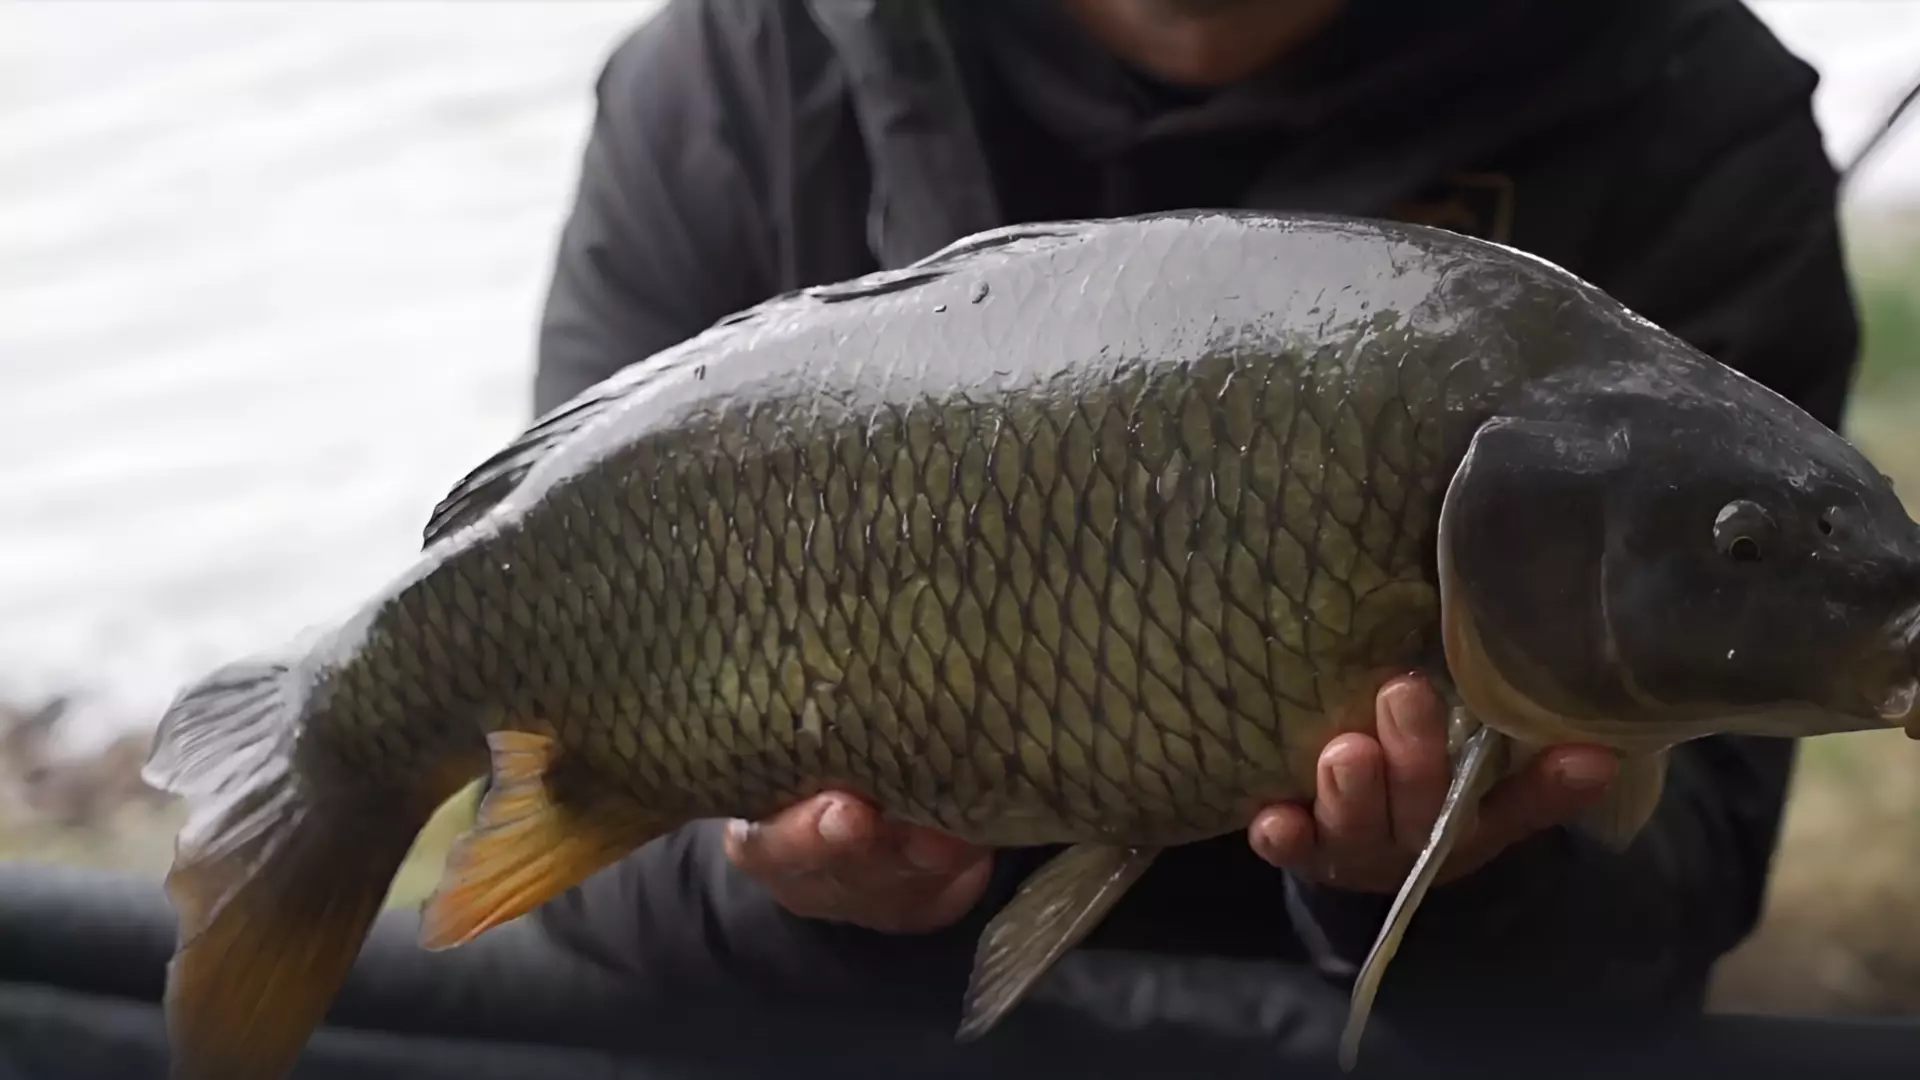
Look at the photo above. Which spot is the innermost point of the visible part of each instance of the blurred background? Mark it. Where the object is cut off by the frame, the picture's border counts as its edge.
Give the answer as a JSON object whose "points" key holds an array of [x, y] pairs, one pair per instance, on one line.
{"points": [[270, 283]]}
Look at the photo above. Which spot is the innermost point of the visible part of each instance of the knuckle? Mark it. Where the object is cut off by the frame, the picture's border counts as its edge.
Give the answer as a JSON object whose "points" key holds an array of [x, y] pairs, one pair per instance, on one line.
{"points": [[738, 836]]}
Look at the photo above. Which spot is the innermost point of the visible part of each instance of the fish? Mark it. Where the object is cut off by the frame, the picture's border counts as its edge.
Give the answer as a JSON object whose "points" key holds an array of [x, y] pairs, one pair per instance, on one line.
{"points": [[1089, 533]]}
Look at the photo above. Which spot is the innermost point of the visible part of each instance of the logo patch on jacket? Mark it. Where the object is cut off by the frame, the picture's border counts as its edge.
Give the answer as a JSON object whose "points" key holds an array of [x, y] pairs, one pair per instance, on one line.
{"points": [[1479, 205]]}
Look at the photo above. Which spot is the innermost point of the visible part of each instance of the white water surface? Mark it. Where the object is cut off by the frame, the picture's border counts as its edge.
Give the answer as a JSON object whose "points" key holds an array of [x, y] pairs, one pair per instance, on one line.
{"points": [[269, 277]]}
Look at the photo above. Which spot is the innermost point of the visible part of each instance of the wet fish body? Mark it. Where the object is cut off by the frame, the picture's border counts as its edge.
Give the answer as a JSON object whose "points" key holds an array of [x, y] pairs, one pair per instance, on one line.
{"points": [[1090, 533], [881, 537]]}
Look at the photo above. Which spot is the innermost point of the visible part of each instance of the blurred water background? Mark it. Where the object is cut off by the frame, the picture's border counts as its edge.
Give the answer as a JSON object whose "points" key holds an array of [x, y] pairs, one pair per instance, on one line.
{"points": [[269, 278]]}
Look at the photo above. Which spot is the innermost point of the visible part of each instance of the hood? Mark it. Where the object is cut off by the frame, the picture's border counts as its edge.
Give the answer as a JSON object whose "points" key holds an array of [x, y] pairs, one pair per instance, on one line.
{"points": [[1433, 85], [1364, 62]]}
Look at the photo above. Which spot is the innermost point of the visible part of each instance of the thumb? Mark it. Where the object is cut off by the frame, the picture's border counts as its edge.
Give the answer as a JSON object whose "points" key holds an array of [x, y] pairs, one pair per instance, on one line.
{"points": [[806, 836]]}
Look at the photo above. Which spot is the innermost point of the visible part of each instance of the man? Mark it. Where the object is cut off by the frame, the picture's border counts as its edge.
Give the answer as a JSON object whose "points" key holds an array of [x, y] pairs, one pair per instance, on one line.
{"points": [[1664, 149]]}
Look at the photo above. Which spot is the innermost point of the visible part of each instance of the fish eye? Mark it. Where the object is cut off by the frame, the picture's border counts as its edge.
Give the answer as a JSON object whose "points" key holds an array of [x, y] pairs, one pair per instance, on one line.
{"points": [[1743, 530]]}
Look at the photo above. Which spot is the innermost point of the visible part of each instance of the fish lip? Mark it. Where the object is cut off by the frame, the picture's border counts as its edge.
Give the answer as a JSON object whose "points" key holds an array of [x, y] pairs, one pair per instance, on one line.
{"points": [[1905, 634], [1900, 705]]}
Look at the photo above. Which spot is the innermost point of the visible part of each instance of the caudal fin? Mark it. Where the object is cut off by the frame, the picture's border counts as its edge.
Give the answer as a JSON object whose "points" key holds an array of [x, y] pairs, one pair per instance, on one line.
{"points": [[275, 883]]}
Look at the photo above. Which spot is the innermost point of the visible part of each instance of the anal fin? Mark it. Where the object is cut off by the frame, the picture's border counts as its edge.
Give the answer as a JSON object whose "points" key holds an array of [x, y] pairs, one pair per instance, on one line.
{"points": [[1475, 770], [1629, 804], [1054, 910], [543, 827]]}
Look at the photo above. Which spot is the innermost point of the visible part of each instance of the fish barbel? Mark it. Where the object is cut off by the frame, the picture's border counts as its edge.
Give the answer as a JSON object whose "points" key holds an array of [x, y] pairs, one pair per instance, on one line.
{"points": [[1090, 533]]}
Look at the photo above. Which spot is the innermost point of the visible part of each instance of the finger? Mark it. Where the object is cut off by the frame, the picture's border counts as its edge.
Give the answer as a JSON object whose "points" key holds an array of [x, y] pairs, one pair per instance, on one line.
{"points": [[918, 906], [808, 836], [1350, 803], [1412, 723], [1284, 836], [880, 891], [930, 851], [1555, 786], [957, 896], [897, 850]]}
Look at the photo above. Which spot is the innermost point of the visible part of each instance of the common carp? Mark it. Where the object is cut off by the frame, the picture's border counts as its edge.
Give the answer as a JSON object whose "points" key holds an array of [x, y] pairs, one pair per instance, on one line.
{"points": [[1090, 533]]}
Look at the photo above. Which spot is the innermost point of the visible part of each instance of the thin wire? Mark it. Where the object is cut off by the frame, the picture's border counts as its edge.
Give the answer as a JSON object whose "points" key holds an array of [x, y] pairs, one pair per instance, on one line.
{"points": [[1880, 134]]}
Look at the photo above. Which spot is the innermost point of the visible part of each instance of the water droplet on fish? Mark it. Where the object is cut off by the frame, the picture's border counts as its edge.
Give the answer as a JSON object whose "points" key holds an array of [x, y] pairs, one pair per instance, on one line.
{"points": [[938, 308], [979, 292], [700, 372], [1729, 654]]}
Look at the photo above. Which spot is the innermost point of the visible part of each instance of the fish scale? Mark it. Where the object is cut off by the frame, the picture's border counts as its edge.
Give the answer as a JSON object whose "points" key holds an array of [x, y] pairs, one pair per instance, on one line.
{"points": [[1091, 619], [1091, 533]]}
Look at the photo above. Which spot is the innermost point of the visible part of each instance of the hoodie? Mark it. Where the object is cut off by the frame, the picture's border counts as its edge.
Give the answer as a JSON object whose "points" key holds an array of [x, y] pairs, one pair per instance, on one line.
{"points": [[1664, 149]]}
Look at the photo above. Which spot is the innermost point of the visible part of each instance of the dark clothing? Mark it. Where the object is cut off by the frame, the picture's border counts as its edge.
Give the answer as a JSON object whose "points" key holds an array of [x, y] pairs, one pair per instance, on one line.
{"points": [[1663, 149]]}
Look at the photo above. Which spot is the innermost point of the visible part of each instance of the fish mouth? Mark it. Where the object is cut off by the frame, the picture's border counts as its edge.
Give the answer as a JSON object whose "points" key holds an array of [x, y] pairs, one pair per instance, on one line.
{"points": [[1899, 704]]}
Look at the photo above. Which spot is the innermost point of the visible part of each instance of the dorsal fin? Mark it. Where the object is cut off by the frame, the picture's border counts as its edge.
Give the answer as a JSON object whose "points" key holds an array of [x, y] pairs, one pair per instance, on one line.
{"points": [[495, 478]]}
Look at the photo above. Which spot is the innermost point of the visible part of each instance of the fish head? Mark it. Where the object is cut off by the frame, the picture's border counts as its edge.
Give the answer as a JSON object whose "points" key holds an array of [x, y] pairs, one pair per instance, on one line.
{"points": [[1652, 551]]}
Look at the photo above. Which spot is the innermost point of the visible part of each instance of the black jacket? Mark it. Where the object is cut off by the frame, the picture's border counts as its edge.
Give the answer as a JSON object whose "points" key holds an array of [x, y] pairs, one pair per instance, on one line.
{"points": [[1663, 149]]}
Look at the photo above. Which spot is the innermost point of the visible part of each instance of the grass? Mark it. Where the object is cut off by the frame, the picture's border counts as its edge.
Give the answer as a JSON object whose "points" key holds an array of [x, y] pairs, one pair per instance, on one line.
{"points": [[1834, 937], [421, 872]]}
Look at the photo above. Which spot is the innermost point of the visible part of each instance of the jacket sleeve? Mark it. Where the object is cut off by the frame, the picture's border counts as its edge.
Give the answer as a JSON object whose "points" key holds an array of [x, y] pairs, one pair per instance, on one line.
{"points": [[661, 240], [677, 922], [1743, 259]]}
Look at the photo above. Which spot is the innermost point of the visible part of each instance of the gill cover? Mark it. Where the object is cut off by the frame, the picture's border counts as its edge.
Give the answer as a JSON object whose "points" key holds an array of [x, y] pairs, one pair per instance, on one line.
{"points": [[1522, 545], [1523, 541]]}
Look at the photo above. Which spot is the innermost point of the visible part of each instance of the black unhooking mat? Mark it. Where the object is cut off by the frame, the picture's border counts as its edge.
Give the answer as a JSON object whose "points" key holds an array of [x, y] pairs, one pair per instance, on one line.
{"points": [[83, 957]]}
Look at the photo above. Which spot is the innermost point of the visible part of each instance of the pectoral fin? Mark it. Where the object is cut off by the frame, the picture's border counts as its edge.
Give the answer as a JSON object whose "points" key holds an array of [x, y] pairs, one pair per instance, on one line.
{"points": [[1053, 911], [541, 829], [1474, 771], [1629, 803]]}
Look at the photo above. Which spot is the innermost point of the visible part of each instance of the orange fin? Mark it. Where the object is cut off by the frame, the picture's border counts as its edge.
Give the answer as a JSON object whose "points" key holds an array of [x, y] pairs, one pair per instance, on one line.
{"points": [[542, 828], [276, 877], [275, 939]]}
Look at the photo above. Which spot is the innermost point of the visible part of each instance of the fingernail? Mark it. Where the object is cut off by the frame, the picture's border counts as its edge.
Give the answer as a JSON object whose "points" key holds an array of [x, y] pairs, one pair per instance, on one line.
{"points": [[1348, 776], [1268, 841], [1393, 719], [836, 824], [1585, 774]]}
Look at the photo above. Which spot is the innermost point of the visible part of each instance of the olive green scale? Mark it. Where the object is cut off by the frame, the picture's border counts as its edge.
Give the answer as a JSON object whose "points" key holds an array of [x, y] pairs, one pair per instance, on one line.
{"points": [[1126, 595]]}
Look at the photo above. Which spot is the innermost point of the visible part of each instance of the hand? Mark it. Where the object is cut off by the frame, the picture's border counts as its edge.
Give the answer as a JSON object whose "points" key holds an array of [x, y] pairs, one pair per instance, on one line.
{"points": [[835, 857], [1377, 799]]}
